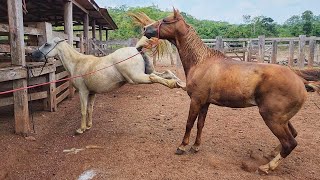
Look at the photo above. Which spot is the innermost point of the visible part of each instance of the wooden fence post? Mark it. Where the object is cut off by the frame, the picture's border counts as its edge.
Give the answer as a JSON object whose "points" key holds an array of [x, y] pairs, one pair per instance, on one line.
{"points": [[50, 102], [274, 52], [312, 46], [81, 43], [219, 43], [317, 53], [20, 98], [86, 32], [93, 27], [100, 32], [261, 45], [250, 47], [291, 53], [68, 29], [301, 58]]}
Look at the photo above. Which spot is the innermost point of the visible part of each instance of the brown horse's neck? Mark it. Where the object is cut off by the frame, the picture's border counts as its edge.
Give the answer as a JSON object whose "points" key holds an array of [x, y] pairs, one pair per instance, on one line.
{"points": [[193, 51]]}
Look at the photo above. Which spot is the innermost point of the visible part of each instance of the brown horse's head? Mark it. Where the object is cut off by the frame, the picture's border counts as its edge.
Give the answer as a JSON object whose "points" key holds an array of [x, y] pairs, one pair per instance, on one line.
{"points": [[167, 28]]}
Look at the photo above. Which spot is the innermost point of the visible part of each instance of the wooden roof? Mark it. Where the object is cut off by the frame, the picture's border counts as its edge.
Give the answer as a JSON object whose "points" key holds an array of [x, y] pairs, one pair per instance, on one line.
{"points": [[53, 11]]}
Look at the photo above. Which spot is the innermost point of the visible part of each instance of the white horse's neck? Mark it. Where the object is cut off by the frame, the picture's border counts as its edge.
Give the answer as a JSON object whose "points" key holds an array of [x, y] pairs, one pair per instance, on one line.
{"points": [[68, 56]]}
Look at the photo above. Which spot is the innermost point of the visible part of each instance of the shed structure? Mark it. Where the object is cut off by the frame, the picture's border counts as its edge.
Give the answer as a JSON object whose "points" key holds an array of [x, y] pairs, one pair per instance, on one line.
{"points": [[26, 24]]}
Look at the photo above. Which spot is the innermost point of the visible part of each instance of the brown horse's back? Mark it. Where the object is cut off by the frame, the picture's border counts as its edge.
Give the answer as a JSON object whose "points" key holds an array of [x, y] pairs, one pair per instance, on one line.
{"points": [[237, 84]]}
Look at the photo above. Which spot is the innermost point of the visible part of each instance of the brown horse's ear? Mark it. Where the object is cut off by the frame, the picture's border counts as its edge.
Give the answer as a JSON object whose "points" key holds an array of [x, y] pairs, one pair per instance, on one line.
{"points": [[176, 13]]}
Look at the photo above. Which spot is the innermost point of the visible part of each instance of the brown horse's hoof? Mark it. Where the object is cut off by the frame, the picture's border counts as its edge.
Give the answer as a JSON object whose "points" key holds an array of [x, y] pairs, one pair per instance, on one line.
{"points": [[194, 149], [180, 151]]}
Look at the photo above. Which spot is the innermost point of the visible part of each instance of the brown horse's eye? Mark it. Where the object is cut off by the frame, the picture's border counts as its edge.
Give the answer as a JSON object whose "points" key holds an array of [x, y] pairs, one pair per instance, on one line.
{"points": [[46, 44]]}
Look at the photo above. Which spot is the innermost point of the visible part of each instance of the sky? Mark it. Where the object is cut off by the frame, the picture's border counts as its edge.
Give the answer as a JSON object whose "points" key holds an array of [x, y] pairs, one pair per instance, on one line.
{"points": [[227, 10]]}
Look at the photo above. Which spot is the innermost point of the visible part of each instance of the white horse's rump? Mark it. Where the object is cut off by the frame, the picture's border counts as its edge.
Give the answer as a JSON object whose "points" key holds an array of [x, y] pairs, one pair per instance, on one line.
{"points": [[135, 70]]}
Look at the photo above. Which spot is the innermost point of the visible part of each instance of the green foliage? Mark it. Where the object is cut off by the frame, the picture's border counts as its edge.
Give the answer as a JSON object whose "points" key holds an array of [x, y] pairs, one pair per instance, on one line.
{"points": [[307, 23]]}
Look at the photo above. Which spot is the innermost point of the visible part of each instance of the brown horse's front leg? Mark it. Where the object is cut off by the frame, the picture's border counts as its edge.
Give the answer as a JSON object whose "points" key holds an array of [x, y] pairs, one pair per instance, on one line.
{"points": [[193, 113], [201, 119]]}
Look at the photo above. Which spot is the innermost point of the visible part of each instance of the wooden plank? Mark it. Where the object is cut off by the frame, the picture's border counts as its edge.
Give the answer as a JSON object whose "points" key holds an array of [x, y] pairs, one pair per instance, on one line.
{"points": [[291, 53], [58, 63], [34, 72], [80, 7], [34, 96], [261, 46], [27, 30], [5, 48], [76, 39], [312, 46], [62, 96], [16, 31], [301, 57], [46, 30], [61, 75], [59, 34], [62, 87], [274, 52]]}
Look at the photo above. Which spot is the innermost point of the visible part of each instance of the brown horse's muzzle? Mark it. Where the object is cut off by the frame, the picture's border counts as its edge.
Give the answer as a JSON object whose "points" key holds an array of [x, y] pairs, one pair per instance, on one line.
{"points": [[150, 31]]}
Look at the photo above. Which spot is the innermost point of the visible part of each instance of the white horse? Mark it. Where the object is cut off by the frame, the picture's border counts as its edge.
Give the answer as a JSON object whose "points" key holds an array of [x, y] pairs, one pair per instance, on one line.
{"points": [[111, 72]]}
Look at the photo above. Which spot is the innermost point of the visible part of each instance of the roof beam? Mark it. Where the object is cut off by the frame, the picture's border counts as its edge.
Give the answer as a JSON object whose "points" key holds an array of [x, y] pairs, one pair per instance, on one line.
{"points": [[80, 7]]}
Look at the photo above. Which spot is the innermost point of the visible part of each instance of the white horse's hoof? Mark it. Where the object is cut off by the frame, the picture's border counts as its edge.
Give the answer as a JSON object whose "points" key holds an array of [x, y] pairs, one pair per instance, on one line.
{"points": [[79, 131], [88, 127], [182, 85], [264, 169]]}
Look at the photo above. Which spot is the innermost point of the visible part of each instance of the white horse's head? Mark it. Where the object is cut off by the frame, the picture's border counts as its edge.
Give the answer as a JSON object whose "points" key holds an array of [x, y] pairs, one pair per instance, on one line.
{"points": [[47, 50]]}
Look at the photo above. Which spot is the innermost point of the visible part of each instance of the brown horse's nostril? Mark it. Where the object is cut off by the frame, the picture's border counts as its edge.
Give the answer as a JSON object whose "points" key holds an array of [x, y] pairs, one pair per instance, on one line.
{"points": [[144, 29]]}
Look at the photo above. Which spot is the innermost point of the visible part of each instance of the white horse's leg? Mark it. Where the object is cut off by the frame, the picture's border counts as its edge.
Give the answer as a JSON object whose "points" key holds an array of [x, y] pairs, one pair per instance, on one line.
{"points": [[171, 83], [152, 78], [90, 110], [84, 104], [167, 74]]}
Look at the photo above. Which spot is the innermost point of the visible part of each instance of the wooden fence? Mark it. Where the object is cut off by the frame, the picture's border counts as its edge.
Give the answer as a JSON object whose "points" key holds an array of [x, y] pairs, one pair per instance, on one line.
{"points": [[35, 35], [263, 49], [102, 48]]}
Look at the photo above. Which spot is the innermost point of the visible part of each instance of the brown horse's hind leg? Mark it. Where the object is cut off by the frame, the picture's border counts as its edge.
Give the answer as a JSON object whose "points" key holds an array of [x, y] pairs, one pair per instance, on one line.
{"points": [[193, 113], [277, 150], [288, 143], [201, 119]]}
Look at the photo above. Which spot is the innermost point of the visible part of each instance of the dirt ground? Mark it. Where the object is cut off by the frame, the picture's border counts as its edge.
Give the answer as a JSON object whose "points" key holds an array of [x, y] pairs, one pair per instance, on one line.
{"points": [[138, 129]]}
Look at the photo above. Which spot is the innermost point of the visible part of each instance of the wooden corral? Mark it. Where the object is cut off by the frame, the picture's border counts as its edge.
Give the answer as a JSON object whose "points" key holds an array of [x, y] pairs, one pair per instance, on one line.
{"points": [[263, 49], [24, 25]]}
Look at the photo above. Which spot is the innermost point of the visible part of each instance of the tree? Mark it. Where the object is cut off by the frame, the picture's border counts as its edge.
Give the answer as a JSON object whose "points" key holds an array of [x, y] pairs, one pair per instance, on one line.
{"points": [[307, 18]]}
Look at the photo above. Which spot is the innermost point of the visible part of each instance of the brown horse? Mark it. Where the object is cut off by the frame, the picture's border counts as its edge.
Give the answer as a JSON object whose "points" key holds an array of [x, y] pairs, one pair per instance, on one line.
{"points": [[213, 78]]}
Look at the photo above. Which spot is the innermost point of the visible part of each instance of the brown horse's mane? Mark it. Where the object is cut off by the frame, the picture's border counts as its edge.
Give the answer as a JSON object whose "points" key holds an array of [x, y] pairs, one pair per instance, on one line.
{"points": [[200, 51]]}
